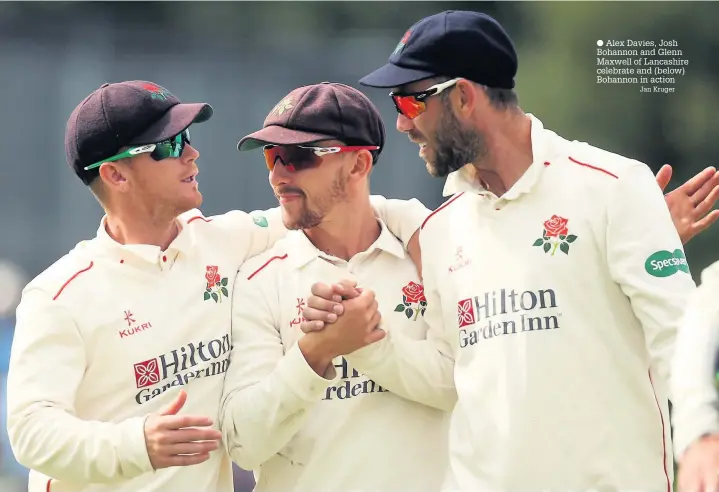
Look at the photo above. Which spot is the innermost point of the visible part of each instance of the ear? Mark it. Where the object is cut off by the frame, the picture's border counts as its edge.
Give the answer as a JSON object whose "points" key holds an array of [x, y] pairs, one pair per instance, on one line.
{"points": [[113, 174], [467, 96], [362, 165]]}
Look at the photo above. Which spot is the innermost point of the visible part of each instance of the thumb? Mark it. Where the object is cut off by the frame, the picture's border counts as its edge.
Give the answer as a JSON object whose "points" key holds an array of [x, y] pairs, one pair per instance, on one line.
{"points": [[375, 335], [664, 176], [174, 407], [346, 289]]}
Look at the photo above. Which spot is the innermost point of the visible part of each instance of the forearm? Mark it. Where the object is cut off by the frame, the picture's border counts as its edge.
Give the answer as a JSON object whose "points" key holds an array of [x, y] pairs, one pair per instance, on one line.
{"points": [[260, 419], [317, 358], [61, 446], [413, 369]]}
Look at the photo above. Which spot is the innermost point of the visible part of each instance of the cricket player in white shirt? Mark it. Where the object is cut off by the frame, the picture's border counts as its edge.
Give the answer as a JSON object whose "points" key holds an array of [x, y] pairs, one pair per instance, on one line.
{"points": [[694, 388], [555, 270], [121, 346], [295, 409]]}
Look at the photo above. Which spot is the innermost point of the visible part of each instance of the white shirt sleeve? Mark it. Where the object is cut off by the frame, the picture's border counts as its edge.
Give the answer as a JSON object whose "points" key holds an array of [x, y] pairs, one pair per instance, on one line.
{"points": [[696, 401], [419, 370], [402, 217], [646, 258], [47, 364], [269, 388], [266, 229]]}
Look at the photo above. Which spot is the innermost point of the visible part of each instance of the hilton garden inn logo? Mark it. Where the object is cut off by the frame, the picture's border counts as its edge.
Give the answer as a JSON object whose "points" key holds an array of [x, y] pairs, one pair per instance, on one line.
{"points": [[506, 312], [178, 367]]}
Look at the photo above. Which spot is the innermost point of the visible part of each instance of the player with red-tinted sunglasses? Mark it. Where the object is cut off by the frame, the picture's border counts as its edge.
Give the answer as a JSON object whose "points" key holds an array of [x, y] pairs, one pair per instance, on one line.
{"points": [[300, 157], [327, 138], [413, 104]]}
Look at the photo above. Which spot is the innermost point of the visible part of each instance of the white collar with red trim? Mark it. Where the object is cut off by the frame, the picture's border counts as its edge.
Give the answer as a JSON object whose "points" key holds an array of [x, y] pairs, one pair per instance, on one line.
{"points": [[543, 150], [301, 250], [146, 252]]}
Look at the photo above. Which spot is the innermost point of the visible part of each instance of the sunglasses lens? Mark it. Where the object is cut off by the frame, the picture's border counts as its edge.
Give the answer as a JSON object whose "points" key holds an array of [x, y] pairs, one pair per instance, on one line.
{"points": [[292, 157], [409, 106], [172, 147]]}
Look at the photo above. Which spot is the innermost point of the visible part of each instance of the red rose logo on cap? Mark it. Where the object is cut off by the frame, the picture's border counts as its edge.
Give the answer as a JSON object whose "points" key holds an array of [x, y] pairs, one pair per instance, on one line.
{"points": [[156, 92], [216, 285], [555, 235], [412, 293], [402, 42]]}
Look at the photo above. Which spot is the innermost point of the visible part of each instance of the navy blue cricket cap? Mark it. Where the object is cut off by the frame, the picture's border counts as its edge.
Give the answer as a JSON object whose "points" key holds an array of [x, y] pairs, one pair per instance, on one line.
{"points": [[125, 114], [454, 43]]}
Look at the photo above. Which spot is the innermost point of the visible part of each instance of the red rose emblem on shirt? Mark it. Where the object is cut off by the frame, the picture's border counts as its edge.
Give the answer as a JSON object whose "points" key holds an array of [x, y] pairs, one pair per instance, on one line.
{"points": [[556, 226], [211, 275], [413, 292], [555, 236], [216, 287]]}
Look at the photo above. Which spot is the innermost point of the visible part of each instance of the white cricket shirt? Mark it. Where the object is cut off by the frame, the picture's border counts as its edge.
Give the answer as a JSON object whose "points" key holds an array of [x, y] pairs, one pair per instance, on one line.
{"points": [[108, 333], [301, 432], [560, 302], [694, 388]]}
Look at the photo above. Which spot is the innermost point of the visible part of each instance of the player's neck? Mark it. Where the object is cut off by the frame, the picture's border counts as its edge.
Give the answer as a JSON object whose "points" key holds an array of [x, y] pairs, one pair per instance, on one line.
{"points": [[348, 229], [141, 229], [509, 155]]}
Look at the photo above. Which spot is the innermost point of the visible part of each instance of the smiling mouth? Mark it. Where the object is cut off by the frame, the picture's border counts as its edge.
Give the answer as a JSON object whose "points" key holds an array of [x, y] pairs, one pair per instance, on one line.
{"points": [[191, 179]]}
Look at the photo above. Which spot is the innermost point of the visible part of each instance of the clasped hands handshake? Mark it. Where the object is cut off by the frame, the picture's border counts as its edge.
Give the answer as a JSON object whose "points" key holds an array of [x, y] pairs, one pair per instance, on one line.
{"points": [[341, 317]]}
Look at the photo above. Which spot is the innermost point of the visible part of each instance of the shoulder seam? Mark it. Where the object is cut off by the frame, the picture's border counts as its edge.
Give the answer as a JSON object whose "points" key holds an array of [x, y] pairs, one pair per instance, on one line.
{"points": [[73, 277], [273, 258], [444, 205], [198, 217], [596, 168]]}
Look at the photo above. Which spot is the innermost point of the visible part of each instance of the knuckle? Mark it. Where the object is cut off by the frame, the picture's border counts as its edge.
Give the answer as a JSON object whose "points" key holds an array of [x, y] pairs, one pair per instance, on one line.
{"points": [[162, 439], [313, 314], [316, 288]]}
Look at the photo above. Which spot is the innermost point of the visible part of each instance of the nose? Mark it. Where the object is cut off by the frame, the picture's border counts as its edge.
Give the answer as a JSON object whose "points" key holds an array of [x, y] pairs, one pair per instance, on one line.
{"points": [[190, 153], [279, 175], [404, 124]]}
